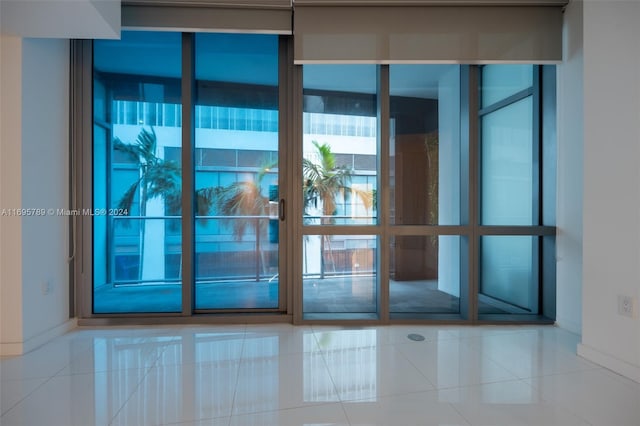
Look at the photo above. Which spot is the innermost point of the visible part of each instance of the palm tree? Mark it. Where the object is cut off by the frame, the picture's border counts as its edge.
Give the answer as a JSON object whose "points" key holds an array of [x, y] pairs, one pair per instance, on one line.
{"points": [[323, 182]]}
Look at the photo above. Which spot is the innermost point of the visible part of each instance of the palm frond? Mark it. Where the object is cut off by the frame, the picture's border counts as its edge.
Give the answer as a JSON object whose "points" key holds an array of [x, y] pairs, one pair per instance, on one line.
{"points": [[129, 149], [238, 200], [323, 180], [146, 143], [366, 196]]}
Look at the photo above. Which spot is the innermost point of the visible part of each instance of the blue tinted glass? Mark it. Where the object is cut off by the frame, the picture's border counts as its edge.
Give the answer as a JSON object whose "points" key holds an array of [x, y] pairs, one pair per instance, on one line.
{"points": [[237, 231], [140, 53], [237, 58], [507, 165], [509, 283], [502, 81], [136, 224]]}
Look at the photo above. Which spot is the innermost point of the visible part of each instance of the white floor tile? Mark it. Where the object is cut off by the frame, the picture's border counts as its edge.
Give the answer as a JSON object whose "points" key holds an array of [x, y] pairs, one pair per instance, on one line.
{"points": [[529, 354], [329, 414], [287, 375], [278, 339], [410, 409], [595, 395], [508, 403], [80, 399], [220, 421], [373, 371], [450, 363], [14, 391], [182, 393], [43, 362], [287, 381]]}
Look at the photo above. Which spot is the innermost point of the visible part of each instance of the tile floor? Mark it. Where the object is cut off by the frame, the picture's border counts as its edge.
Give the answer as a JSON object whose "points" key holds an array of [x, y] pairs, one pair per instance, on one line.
{"points": [[314, 375]]}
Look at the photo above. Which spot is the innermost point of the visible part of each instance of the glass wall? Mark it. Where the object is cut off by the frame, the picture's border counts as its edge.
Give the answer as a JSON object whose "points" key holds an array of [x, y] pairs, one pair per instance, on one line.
{"points": [[136, 182], [509, 281], [425, 168], [509, 275], [507, 165], [236, 171], [406, 211]]}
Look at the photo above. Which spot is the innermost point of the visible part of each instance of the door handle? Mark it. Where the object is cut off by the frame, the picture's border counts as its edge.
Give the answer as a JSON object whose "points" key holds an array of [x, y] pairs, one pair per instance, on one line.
{"points": [[281, 209]]}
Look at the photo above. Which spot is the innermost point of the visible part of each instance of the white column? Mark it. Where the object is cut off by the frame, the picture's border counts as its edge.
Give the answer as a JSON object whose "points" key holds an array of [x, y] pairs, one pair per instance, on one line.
{"points": [[611, 197]]}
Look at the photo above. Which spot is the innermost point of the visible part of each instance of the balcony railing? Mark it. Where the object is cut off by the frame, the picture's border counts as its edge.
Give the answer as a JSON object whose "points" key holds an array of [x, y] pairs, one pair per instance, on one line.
{"points": [[220, 254]]}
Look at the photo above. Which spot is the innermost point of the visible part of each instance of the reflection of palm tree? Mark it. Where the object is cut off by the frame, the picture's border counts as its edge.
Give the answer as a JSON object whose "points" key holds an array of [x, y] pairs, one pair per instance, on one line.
{"points": [[240, 199], [246, 204], [323, 182], [157, 178]]}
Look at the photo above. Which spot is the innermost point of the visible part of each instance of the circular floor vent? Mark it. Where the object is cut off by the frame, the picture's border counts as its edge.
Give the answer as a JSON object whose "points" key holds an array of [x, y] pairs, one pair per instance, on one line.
{"points": [[415, 337]]}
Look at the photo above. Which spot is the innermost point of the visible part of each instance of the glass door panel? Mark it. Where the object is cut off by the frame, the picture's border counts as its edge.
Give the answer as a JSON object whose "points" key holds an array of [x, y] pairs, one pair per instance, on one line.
{"points": [[340, 179], [137, 181], [236, 172], [345, 274]]}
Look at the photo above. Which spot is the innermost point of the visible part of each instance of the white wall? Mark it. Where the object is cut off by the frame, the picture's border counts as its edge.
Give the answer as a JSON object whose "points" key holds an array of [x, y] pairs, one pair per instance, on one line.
{"points": [[611, 214], [34, 147], [10, 195], [569, 174], [45, 183]]}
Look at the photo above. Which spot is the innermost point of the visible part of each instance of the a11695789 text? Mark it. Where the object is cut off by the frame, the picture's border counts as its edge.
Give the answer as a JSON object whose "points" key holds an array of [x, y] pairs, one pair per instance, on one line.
{"points": [[62, 212]]}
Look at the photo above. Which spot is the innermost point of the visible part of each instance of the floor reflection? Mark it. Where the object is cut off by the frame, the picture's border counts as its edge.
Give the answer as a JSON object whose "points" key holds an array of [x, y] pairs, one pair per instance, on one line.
{"points": [[283, 374]]}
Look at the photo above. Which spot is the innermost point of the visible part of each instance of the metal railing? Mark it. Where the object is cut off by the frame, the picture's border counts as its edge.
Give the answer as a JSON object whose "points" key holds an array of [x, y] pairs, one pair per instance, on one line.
{"points": [[254, 256]]}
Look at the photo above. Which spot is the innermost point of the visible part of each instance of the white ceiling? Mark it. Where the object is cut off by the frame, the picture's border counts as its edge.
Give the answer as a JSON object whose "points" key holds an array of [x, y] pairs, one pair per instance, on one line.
{"points": [[91, 19]]}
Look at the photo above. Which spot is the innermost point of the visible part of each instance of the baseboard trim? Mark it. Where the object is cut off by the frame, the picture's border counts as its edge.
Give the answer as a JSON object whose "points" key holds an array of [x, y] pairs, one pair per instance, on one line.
{"points": [[21, 348], [610, 362], [11, 349]]}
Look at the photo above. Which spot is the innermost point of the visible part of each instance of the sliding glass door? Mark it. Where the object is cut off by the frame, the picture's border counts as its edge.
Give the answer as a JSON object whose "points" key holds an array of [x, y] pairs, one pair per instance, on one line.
{"points": [[138, 185], [136, 179], [236, 172], [340, 237]]}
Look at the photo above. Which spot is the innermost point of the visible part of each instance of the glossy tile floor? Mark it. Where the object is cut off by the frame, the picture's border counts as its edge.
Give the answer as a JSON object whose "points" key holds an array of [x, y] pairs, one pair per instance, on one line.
{"points": [[286, 375]]}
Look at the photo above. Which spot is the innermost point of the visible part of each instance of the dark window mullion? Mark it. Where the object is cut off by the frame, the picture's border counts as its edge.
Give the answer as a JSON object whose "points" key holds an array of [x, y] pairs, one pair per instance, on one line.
{"points": [[523, 94], [383, 220], [536, 181], [188, 175], [473, 95], [537, 149]]}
